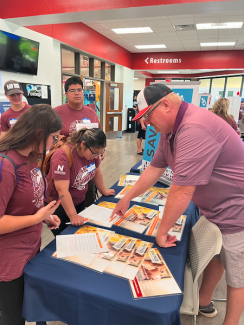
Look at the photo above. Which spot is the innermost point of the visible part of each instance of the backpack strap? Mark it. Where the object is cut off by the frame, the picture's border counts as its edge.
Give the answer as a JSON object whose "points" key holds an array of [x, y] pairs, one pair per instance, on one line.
{"points": [[15, 168], [68, 152]]}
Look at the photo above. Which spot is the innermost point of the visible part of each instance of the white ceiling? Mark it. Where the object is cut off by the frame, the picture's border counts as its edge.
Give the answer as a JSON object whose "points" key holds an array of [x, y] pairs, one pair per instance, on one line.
{"points": [[164, 33]]}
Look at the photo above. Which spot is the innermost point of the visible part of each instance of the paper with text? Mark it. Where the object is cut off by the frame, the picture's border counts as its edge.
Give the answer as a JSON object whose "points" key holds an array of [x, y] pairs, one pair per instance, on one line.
{"points": [[70, 245]]}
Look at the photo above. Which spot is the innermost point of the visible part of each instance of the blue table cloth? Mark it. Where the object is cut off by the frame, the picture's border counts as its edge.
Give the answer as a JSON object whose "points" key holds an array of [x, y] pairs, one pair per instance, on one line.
{"points": [[135, 169], [58, 290]]}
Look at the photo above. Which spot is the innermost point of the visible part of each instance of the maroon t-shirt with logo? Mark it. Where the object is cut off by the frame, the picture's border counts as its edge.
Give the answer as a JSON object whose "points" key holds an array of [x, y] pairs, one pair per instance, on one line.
{"points": [[81, 172], [70, 117], [19, 199], [10, 117]]}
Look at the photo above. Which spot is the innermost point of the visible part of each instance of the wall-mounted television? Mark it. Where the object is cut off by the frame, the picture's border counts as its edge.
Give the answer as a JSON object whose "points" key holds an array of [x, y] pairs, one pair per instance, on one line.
{"points": [[18, 54]]}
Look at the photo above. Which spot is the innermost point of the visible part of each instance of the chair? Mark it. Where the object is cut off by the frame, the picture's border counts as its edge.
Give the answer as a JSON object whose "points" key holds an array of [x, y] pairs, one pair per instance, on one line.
{"points": [[205, 243]]}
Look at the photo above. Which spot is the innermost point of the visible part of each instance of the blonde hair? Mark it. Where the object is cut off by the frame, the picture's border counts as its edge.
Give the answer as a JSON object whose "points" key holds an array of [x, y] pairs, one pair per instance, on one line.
{"points": [[221, 107]]}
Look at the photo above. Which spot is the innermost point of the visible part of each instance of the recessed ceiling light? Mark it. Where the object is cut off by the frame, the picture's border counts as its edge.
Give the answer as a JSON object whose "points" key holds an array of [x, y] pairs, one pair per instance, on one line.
{"points": [[157, 46], [220, 25], [218, 44], [136, 30], [168, 71], [135, 78]]}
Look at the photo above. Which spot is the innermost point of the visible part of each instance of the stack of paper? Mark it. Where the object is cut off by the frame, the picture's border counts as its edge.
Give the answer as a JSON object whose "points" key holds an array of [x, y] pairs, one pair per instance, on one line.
{"points": [[70, 245], [98, 214]]}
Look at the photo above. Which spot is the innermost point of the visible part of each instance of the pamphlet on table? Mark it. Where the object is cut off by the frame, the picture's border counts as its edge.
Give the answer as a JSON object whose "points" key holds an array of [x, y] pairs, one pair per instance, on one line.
{"points": [[153, 278], [154, 195], [128, 180], [70, 245], [137, 218], [98, 214], [85, 259], [176, 230]]}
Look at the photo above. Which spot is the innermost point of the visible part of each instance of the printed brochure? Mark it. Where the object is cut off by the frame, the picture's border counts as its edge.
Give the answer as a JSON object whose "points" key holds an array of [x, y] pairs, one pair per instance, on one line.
{"points": [[85, 259], [176, 230], [114, 245], [128, 180], [138, 254], [154, 195], [137, 218], [154, 278]]}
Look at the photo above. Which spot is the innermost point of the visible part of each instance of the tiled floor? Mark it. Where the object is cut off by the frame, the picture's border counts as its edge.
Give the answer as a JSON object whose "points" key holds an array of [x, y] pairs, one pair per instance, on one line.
{"points": [[120, 157]]}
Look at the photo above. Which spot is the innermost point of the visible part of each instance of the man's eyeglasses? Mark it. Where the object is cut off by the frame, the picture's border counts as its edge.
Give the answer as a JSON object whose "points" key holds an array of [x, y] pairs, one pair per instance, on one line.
{"points": [[55, 139], [146, 117], [95, 154], [79, 90]]}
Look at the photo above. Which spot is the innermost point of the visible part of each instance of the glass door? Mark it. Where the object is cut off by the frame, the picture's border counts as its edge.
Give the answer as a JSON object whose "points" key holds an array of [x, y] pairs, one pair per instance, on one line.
{"points": [[114, 109]]}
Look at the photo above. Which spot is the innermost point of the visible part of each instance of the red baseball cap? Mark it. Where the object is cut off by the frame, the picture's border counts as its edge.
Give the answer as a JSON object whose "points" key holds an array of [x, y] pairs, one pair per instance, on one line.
{"points": [[149, 96]]}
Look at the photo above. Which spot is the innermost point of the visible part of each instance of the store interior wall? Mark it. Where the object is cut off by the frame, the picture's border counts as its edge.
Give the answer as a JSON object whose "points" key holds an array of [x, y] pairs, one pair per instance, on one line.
{"points": [[139, 83], [49, 63], [125, 76]]}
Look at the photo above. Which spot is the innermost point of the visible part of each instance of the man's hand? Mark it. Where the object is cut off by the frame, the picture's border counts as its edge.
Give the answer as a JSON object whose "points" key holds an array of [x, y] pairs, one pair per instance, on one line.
{"points": [[76, 220], [121, 208], [165, 240]]}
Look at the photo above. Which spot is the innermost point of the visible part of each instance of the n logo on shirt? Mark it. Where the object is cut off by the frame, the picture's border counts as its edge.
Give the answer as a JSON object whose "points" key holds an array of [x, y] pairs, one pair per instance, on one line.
{"points": [[60, 168]]}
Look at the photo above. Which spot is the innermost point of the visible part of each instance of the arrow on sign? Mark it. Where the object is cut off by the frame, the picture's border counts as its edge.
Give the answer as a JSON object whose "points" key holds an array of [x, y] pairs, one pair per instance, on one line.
{"points": [[146, 60]]}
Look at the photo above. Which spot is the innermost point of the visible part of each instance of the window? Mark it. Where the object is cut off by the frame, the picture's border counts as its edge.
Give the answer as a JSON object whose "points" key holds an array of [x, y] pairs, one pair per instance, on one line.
{"points": [[84, 65], [64, 97], [97, 69], [107, 71], [233, 86], [217, 90], [204, 86], [68, 61]]}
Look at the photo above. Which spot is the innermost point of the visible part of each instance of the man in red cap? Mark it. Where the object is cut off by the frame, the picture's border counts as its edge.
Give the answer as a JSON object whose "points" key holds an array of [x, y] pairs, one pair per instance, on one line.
{"points": [[206, 156], [14, 93]]}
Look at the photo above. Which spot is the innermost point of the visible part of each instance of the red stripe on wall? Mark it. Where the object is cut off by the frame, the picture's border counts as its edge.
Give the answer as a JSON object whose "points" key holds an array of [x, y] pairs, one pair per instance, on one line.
{"points": [[88, 40]]}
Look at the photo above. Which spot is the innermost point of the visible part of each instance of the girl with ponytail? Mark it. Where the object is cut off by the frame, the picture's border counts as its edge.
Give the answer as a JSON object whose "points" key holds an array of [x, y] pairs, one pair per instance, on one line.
{"points": [[71, 180]]}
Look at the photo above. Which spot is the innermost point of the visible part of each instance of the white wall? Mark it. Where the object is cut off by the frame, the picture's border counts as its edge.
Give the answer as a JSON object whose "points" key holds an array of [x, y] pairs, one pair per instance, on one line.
{"points": [[139, 83], [125, 76], [49, 64]]}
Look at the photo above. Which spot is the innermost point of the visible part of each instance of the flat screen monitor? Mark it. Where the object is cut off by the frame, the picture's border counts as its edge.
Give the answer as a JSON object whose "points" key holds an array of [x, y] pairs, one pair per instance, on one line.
{"points": [[18, 54]]}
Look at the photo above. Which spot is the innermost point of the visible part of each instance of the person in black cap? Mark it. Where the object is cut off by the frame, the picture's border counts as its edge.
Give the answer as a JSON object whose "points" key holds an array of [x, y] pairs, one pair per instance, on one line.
{"points": [[14, 93], [206, 155]]}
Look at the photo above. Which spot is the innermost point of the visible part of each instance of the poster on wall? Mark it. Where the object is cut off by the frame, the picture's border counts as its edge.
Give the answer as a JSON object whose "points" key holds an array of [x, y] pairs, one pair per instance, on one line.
{"points": [[185, 94]]}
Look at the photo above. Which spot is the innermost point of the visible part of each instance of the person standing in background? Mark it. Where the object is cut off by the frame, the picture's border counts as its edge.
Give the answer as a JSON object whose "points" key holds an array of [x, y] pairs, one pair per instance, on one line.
{"points": [[142, 129], [75, 111], [221, 108], [13, 91]]}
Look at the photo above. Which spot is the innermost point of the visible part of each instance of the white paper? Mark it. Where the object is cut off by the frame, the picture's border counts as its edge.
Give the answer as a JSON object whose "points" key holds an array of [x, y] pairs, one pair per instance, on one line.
{"points": [[80, 126], [70, 245], [100, 214], [44, 92]]}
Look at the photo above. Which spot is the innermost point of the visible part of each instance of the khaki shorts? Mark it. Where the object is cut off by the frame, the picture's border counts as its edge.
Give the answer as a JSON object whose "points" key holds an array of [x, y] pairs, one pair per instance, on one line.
{"points": [[232, 258]]}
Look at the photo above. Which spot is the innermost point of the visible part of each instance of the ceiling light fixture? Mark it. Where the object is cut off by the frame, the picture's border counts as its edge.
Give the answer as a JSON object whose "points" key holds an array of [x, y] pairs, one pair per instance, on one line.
{"points": [[219, 25], [168, 71], [135, 78], [157, 46], [136, 30], [218, 44]]}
